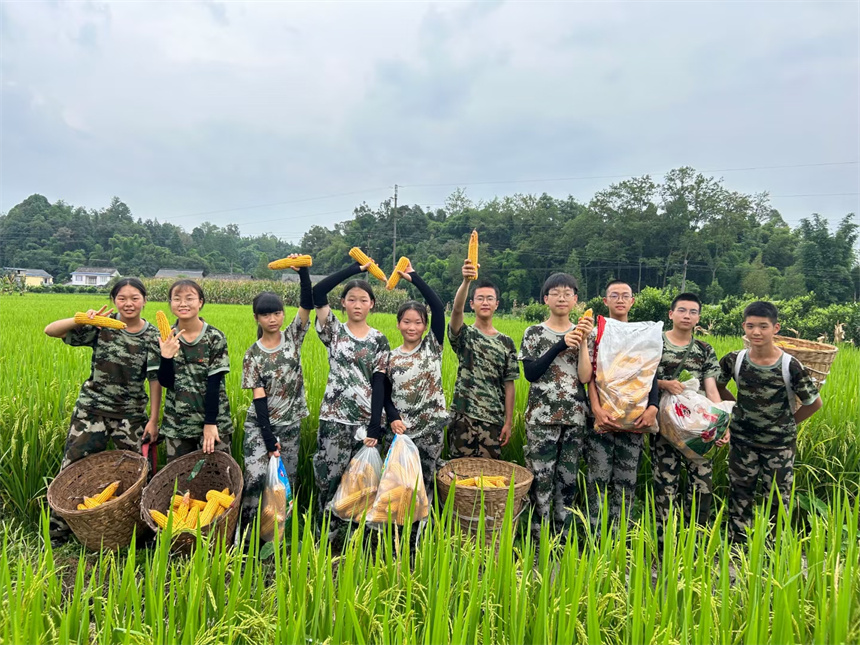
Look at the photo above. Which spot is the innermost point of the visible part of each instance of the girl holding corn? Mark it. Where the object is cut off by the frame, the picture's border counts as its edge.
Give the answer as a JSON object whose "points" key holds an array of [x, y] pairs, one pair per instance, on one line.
{"points": [[351, 410], [192, 367], [112, 401], [272, 369]]}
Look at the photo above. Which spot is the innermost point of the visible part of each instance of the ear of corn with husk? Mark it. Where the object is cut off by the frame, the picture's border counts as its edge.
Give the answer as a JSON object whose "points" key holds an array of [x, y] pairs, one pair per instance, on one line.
{"points": [[402, 263], [107, 494], [484, 481], [289, 263], [99, 321], [361, 257], [473, 251], [163, 324], [189, 514]]}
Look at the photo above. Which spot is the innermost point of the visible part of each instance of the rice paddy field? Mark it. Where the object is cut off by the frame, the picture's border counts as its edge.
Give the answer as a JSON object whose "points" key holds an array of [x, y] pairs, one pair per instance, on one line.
{"points": [[797, 581]]}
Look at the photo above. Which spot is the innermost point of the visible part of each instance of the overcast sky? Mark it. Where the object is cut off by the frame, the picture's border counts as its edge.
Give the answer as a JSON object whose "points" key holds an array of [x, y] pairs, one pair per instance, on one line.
{"points": [[267, 114]]}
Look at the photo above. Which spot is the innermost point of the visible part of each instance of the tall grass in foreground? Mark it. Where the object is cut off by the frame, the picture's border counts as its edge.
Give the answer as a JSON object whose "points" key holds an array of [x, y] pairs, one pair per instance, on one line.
{"points": [[798, 587]]}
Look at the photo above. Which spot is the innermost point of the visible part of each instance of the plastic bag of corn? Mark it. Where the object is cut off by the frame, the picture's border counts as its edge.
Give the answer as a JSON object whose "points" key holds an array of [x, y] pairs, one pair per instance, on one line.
{"points": [[358, 485], [401, 487], [277, 504]]}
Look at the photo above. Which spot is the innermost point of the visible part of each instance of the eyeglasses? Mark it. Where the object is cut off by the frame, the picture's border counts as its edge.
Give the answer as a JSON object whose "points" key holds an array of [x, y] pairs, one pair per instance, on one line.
{"points": [[684, 310], [488, 299], [567, 295], [188, 301], [619, 296]]}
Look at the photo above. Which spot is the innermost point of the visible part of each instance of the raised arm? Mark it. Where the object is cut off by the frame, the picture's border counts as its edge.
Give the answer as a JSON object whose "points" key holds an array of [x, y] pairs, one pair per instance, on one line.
{"points": [[437, 307], [321, 289], [469, 273]]}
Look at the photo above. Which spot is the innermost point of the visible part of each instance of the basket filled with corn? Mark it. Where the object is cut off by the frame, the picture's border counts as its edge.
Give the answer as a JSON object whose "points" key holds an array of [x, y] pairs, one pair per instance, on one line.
{"points": [[471, 478], [814, 356], [196, 492], [99, 497]]}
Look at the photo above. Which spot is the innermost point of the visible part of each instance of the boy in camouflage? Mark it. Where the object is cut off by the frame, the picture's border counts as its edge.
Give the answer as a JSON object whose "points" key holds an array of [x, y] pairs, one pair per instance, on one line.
{"points": [[482, 410], [612, 456], [556, 361], [764, 421], [272, 369], [683, 352], [112, 402]]}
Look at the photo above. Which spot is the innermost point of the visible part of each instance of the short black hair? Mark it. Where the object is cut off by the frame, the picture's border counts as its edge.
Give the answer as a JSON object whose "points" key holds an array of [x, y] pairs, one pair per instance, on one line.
{"points": [[559, 280], [689, 297], [762, 309], [485, 284], [412, 305], [614, 282], [364, 285], [182, 285], [127, 282], [267, 302]]}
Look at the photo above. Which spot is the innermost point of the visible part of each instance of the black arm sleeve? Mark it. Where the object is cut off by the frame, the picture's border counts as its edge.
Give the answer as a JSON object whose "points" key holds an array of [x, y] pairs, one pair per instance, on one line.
{"points": [[210, 402], [437, 307], [261, 407], [306, 296], [167, 373], [534, 368], [377, 400], [321, 288], [391, 412], [654, 394]]}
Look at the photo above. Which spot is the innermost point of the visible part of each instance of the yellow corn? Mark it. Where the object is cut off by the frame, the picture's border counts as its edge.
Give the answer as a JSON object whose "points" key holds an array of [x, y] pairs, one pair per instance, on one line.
{"points": [[158, 518], [98, 321], [90, 502], [588, 313], [193, 516], [473, 250], [82, 507], [181, 512], [402, 263], [208, 513], [163, 324], [107, 493], [361, 257], [224, 499], [289, 263]]}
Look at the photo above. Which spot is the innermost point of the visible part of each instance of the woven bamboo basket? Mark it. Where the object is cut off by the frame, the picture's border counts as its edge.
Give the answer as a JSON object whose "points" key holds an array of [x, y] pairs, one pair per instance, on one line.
{"points": [[219, 471], [111, 524], [816, 357], [467, 500]]}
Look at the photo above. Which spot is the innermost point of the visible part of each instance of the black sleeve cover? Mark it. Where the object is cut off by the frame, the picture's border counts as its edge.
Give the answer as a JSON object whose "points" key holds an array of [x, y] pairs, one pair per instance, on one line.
{"points": [[654, 394], [210, 402], [437, 307], [391, 412], [321, 288], [534, 368], [377, 400], [306, 296], [167, 373], [261, 407]]}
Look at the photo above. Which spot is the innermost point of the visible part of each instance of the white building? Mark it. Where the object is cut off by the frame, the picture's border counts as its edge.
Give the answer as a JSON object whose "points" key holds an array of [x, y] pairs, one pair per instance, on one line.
{"points": [[93, 276]]}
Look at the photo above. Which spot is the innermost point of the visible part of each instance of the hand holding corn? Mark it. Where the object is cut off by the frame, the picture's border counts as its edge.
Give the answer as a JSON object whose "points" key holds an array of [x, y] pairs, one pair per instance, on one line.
{"points": [[470, 271], [100, 318], [573, 338], [367, 263], [170, 347], [293, 261], [404, 266], [473, 252]]}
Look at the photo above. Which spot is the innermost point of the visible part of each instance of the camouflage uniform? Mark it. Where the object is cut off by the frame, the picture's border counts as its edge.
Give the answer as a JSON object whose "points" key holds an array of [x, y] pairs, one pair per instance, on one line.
{"points": [[417, 393], [486, 363], [666, 460], [182, 424], [257, 463], [555, 426], [346, 405], [112, 404], [764, 435]]}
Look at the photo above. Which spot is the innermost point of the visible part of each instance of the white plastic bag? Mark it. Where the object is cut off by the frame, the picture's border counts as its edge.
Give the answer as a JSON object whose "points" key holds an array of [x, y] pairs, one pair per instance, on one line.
{"points": [[358, 485], [691, 422], [277, 503], [627, 359], [402, 484]]}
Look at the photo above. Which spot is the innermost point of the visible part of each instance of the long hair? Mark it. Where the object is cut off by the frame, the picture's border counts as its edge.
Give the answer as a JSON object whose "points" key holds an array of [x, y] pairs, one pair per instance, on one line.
{"points": [[266, 302]]}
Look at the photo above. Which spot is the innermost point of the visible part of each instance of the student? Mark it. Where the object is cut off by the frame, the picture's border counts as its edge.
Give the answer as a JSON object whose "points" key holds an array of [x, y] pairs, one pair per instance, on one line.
{"points": [[192, 368], [272, 369], [112, 401], [417, 406], [683, 352], [557, 362], [483, 407], [612, 456], [351, 410], [764, 421]]}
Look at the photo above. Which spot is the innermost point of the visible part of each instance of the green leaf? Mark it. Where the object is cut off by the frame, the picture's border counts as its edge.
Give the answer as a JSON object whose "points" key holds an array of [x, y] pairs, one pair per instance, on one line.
{"points": [[196, 470], [267, 551], [685, 376]]}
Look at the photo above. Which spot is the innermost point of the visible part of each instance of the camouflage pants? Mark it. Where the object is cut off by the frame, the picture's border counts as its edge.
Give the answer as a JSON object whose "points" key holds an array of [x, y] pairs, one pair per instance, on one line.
{"points": [[429, 444], [748, 467], [336, 445], [180, 446], [552, 454], [468, 437], [89, 433], [666, 462], [613, 464], [257, 463]]}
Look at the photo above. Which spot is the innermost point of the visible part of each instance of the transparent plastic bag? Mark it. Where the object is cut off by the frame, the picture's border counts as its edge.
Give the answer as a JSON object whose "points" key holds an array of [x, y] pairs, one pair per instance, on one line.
{"points": [[277, 503], [627, 359], [401, 486], [358, 485], [693, 423]]}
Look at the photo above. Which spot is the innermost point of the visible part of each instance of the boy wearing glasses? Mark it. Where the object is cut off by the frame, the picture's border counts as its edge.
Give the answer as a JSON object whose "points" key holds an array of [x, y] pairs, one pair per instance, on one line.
{"points": [[556, 361], [482, 410], [683, 352]]}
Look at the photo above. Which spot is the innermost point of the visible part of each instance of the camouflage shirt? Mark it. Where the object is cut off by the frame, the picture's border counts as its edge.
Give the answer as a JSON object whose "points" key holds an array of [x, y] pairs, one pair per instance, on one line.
{"points": [[486, 363], [701, 363], [184, 408], [557, 397], [416, 385], [115, 387], [762, 416], [279, 372], [352, 363]]}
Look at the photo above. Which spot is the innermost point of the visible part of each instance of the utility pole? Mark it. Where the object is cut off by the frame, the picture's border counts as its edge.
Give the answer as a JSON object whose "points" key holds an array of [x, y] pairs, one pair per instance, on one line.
{"points": [[394, 245], [684, 277]]}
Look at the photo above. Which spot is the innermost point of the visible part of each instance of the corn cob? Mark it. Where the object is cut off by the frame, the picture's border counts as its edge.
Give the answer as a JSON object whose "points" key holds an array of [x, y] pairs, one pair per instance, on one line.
{"points": [[98, 321], [158, 518], [107, 493], [90, 502], [473, 251], [359, 256], [289, 263], [181, 512], [193, 516], [208, 513], [588, 313], [82, 507], [163, 324], [402, 263], [179, 499], [224, 499]]}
